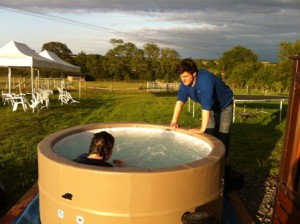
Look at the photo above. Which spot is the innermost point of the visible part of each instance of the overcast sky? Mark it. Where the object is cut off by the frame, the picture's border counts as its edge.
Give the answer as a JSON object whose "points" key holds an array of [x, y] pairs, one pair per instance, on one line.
{"points": [[194, 28]]}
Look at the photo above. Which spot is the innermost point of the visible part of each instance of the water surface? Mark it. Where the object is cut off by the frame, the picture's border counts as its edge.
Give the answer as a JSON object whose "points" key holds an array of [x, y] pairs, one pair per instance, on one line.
{"points": [[140, 147]]}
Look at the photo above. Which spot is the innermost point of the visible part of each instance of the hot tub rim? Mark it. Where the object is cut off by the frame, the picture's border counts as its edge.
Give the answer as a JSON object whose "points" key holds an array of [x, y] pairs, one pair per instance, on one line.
{"points": [[45, 147]]}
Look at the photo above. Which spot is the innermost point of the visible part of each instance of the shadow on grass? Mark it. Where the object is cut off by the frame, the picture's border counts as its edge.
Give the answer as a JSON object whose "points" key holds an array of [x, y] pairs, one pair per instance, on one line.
{"points": [[254, 151], [21, 132]]}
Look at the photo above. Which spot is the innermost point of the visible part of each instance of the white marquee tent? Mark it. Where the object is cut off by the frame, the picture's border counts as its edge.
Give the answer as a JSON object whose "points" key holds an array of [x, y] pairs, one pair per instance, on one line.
{"points": [[61, 63], [63, 66], [15, 54]]}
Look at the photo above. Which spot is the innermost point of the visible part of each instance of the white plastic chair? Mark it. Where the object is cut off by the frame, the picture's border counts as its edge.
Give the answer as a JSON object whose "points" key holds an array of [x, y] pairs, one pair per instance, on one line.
{"points": [[62, 96], [7, 98], [65, 97], [45, 97], [70, 98], [35, 103], [4, 96], [19, 100]]}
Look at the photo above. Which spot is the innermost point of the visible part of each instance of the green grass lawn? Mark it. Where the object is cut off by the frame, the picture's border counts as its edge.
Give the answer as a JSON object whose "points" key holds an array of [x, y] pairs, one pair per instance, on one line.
{"points": [[255, 142]]}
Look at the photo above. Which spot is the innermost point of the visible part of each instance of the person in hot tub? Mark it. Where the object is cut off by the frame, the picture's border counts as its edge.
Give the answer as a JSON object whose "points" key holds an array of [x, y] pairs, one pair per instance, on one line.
{"points": [[101, 149]]}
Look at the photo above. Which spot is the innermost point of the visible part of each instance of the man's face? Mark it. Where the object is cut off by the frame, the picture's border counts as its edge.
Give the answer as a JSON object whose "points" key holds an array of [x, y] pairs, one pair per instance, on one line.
{"points": [[187, 78]]}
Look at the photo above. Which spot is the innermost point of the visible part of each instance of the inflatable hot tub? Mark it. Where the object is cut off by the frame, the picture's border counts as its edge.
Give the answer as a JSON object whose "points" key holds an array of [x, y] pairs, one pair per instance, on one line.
{"points": [[70, 192]]}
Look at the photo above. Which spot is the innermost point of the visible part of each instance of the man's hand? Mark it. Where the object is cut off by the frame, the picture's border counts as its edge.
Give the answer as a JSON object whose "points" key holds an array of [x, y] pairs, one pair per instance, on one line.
{"points": [[118, 162], [196, 130], [174, 125]]}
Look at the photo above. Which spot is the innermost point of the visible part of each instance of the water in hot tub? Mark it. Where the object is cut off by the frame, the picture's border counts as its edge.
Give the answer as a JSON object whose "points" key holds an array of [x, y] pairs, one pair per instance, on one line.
{"points": [[140, 147]]}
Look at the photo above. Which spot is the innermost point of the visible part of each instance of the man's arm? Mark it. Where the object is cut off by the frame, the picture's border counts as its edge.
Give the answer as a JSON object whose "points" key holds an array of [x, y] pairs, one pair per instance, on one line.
{"points": [[204, 122], [205, 119], [176, 113]]}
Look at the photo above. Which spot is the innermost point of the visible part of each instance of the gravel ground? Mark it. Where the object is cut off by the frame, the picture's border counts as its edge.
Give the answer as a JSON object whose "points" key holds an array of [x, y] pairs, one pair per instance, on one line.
{"points": [[257, 195]]}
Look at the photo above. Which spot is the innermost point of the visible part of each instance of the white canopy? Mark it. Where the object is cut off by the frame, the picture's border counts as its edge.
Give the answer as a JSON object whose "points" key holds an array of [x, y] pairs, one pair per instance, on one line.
{"points": [[15, 54], [64, 66], [61, 63]]}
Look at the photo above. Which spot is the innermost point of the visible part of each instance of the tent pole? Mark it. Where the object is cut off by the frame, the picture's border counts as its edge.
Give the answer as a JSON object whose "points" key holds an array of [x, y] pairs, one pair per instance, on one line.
{"points": [[38, 81], [32, 83], [79, 86], [9, 80], [61, 78]]}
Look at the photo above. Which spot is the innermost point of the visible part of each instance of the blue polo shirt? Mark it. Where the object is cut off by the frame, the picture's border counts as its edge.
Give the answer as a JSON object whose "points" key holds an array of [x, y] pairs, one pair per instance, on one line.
{"points": [[209, 90]]}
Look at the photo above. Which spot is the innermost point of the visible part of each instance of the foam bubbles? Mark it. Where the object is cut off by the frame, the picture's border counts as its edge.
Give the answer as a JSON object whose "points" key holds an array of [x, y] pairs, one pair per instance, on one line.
{"points": [[141, 147]]}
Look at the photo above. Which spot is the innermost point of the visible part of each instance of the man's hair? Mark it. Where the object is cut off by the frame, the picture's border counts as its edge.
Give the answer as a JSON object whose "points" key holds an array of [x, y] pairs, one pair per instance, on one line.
{"points": [[102, 144], [187, 65]]}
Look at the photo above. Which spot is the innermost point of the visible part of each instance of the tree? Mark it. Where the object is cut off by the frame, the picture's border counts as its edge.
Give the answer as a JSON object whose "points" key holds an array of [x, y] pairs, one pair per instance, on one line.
{"points": [[80, 60], [138, 64], [152, 53], [237, 55], [264, 77], [116, 42], [241, 74], [60, 49], [283, 72], [122, 61], [200, 63], [168, 62], [211, 64], [287, 49], [94, 66]]}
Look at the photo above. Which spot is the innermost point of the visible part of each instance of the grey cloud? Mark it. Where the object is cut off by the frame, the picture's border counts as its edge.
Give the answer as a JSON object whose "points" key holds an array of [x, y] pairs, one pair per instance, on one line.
{"points": [[205, 28], [253, 6], [262, 34]]}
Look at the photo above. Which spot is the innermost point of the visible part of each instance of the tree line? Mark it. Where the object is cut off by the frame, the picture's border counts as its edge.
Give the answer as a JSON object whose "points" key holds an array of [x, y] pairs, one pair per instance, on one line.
{"points": [[238, 67]]}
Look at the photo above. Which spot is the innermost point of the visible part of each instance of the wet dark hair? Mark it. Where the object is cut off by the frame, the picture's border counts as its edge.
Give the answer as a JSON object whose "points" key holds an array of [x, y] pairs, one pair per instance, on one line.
{"points": [[187, 65], [102, 144]]}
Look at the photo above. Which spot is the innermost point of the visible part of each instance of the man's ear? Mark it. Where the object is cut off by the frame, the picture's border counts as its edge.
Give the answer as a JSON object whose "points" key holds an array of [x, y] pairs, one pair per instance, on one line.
{"points": [[195, 73]]}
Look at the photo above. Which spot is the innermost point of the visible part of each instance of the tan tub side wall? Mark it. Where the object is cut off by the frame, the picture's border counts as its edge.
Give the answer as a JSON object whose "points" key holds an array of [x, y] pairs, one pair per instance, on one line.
{"points": [[122, 195]]}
